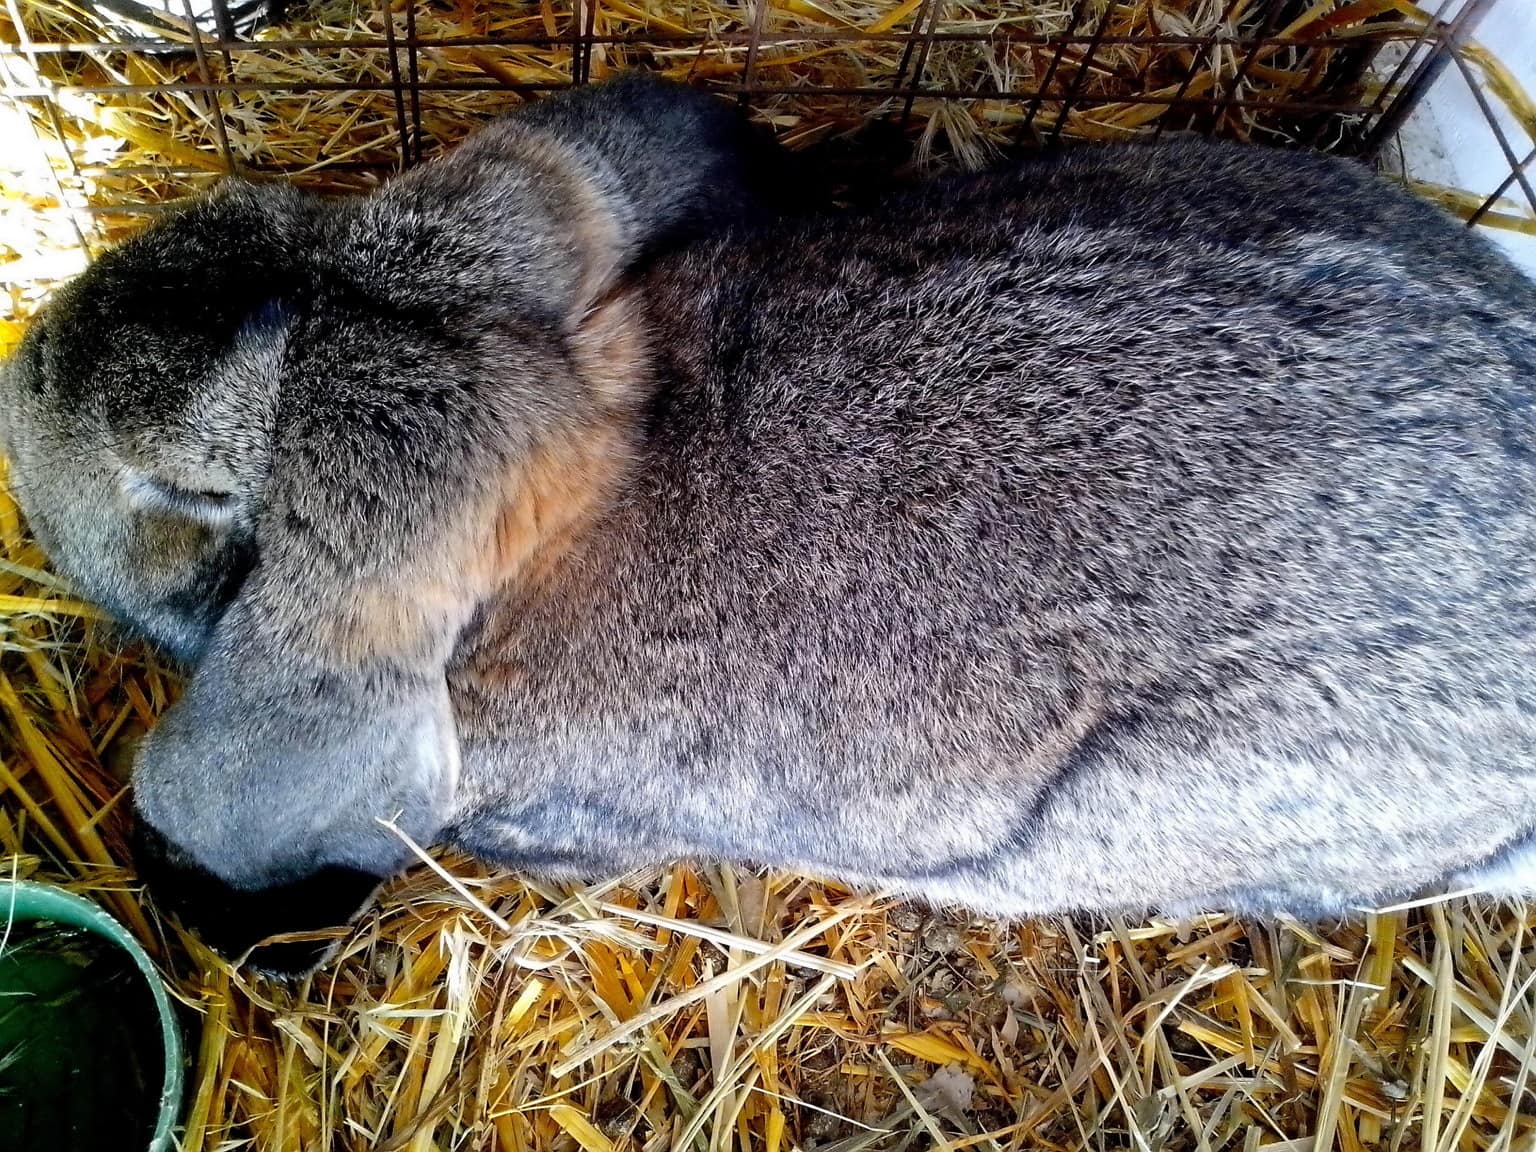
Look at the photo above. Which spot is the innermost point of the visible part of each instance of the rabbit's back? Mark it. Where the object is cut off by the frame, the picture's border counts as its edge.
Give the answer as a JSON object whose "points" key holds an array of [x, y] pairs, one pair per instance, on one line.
{"points": [[1043, 557]]}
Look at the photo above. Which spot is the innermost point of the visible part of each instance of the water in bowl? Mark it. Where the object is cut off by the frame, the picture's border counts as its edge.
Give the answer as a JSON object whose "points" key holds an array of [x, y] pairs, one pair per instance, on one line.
{"points": [[81, 1058]]}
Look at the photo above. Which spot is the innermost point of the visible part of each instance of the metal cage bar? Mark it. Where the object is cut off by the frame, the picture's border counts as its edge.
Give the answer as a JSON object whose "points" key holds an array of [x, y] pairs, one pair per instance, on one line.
{"points": [[1516, 166], [394, 57], [1447, 39]]}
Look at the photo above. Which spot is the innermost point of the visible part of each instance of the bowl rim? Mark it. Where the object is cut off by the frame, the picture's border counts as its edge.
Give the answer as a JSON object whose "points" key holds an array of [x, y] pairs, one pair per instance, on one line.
{"points": [[29, 900]]}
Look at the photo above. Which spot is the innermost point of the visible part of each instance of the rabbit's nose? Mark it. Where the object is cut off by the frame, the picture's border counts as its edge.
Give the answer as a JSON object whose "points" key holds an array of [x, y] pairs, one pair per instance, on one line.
{"points": [[286, 931]]}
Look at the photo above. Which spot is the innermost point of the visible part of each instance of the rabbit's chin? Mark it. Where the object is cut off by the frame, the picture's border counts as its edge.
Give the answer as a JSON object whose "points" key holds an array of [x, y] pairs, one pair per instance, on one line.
{"points": [[286, 931]]}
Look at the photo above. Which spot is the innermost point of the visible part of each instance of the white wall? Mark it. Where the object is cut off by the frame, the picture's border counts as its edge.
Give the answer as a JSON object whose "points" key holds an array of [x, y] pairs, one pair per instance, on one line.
{"points": [[1448, 140]]}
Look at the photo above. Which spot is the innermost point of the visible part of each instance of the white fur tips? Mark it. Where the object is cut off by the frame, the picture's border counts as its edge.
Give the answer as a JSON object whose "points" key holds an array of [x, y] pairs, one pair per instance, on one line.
{"points": [[1511, 875]]}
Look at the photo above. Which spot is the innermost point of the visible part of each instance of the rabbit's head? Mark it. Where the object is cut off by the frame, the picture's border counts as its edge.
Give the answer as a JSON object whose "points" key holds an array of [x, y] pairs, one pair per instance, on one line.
{"points": [[299, 442], [135, 413], [140, 420]]}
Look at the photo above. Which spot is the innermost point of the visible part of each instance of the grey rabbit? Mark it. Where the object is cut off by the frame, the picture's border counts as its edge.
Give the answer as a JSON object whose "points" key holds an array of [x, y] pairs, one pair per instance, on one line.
{"points": [[1126, 529]]}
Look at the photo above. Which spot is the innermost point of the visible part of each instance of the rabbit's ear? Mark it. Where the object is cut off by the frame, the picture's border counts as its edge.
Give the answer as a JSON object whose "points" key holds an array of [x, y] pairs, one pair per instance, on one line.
{"points": [[274, 772], [670, 161], [564, 197]]}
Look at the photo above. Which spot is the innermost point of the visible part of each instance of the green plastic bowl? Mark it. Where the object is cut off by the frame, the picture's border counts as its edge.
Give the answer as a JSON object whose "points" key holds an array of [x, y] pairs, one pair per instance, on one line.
{"points": [[24, 900]]}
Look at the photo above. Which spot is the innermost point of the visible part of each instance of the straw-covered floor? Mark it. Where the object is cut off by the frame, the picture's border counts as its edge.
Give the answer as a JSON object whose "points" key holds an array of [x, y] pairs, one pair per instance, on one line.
{"points": [[705, 1007]]}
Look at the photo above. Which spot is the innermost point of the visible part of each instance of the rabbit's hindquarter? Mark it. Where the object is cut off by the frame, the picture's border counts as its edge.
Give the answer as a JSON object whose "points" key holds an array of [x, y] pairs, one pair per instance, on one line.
{"points": [[1038, 558]]}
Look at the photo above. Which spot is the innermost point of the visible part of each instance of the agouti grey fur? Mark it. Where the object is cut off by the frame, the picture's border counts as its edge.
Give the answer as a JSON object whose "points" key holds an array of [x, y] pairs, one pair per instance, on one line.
{"points": [[1130, 528]]}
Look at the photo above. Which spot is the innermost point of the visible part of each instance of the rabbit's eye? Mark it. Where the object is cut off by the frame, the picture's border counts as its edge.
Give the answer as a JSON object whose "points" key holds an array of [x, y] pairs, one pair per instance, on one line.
{"points": [[145, 492]]}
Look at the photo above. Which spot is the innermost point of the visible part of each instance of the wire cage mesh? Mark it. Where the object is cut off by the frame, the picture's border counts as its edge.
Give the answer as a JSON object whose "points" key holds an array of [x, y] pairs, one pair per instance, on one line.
{"points": [[135, 102]]}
